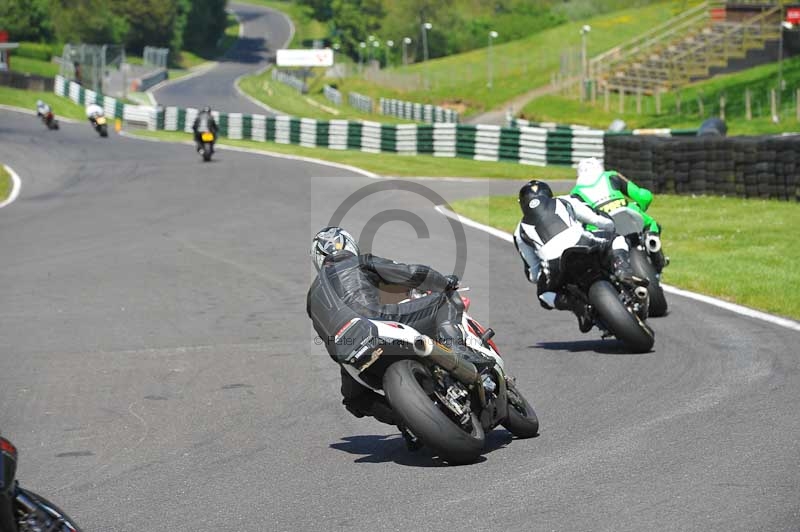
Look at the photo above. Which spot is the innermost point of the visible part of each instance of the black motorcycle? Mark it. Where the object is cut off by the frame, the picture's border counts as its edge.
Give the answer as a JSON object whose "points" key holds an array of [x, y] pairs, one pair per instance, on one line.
{"points": [[100, 125], [647, 257], [49, 120], [205, 144], [447, 398], [22, 510], [615, 308]]}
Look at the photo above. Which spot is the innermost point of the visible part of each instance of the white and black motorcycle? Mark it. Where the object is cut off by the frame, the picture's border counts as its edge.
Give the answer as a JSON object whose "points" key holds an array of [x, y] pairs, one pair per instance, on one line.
{"points": [[446, 400]]}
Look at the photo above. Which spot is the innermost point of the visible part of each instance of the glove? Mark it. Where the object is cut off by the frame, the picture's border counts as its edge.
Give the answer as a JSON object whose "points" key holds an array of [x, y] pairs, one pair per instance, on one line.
{"points": [[452, 283]]}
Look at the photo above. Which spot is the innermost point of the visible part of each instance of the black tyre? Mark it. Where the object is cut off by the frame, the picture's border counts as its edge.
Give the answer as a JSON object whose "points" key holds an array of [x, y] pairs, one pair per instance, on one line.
{"points": [[53, 512], [627, 327], [103, 130], [207, 151], [405, 383], [643, 268], [521, 421]]}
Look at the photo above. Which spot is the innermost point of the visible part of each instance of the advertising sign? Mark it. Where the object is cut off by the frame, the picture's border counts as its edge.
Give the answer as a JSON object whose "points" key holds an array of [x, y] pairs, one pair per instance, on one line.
{"points": [[322, 57]]}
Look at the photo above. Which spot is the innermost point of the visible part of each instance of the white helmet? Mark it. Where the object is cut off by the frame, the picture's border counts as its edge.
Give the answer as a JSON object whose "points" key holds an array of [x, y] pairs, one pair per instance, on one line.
{"points": [[331, 240], [589, 170]]}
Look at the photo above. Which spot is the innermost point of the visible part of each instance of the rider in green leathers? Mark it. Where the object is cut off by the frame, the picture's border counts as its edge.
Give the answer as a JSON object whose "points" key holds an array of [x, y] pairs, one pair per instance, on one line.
{"points": [[608, 190]]}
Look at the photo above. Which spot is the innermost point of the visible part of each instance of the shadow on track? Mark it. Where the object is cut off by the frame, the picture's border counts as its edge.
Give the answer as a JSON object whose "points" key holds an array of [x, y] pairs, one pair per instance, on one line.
{"points": [[605, 347], [382, 448], [248, 50]]}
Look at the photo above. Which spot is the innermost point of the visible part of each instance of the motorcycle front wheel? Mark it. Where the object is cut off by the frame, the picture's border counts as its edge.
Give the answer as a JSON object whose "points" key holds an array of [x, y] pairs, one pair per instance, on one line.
{"points": [[642, 267], [409, 387], [624, 324], [521, 421], [47, 516]]}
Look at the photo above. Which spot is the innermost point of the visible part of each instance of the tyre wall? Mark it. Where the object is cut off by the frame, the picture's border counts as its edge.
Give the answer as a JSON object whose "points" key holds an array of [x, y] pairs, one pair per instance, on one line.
{"points": [[747, 167]]}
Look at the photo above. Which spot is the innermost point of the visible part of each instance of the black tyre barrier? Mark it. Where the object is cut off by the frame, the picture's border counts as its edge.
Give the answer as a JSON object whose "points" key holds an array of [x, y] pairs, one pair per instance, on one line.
{"points": [[748, 167]]}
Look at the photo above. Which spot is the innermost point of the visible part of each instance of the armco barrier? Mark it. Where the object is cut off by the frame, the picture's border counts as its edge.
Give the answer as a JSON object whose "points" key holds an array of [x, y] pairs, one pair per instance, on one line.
{"points": [[749, 167], [417, 111]]}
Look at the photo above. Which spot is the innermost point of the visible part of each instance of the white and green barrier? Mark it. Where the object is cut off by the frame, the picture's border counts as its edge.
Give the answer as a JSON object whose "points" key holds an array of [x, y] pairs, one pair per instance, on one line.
{"points": [[139, 114], [534, 145], [659, 132], [417, 111]]}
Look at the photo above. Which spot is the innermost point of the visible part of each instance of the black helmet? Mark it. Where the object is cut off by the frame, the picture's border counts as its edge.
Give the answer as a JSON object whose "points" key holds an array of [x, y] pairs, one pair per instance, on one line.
{"points": [[331, 240], [207, 109], [533, 189]]}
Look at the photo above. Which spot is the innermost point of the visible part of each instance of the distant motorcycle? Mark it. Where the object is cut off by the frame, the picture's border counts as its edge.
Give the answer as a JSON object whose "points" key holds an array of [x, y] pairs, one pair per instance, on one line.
{"points": [[49, 120], [100, 125], [22, 510], [647, 257], [613, 307], [207, 140]]}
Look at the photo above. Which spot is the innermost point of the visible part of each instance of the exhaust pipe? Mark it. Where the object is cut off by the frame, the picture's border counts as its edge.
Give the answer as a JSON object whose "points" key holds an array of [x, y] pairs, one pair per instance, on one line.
{"points": [[465, 372], [640, 292], [653, 243]]}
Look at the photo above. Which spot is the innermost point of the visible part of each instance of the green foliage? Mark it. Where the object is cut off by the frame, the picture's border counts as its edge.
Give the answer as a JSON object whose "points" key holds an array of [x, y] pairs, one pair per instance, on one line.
{"points": [[38, 67], [87, 21], [26, 20], [152, 23], [320, 9], [205, 24], [5, 183], [35, 50], [353, 20]]}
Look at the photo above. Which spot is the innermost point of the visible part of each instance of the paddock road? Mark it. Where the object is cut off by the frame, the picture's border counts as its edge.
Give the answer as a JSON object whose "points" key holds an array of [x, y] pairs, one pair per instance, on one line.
{"points": [[264, 32], [158, 370]]}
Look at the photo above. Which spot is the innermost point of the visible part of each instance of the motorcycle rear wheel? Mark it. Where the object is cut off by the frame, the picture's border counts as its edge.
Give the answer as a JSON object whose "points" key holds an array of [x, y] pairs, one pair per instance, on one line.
{"points": [[521, 421], [642, 267], [627, 327], [403, 383], [207, 151]]}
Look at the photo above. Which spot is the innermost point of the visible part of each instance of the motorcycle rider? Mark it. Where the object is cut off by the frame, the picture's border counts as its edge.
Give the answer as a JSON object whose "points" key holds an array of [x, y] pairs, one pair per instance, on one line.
{"points": [[551, 225], [42, 109], [93, 111], [356, 278], [204, 123], [608, 190]]}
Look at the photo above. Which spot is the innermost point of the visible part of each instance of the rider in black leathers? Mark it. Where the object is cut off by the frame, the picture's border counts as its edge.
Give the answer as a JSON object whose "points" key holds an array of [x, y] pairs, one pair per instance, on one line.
{"points": [[204, 123], [356, 279]]}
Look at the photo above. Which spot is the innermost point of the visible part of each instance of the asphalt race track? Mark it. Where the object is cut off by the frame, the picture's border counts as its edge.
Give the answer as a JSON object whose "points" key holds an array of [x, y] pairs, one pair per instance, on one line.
{"points": [[158, 370], [265, 31]]}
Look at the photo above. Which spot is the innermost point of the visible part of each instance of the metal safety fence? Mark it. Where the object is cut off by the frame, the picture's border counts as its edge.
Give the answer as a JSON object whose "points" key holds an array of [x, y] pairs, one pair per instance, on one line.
{"points": [[417, 111]]}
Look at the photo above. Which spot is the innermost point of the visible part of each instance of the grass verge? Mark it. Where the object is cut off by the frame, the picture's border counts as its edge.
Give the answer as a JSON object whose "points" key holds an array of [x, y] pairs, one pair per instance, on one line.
{"points": [[392, 164], [739, 250], [5, 183], [62, 107], [38, 67], [696, 102]]}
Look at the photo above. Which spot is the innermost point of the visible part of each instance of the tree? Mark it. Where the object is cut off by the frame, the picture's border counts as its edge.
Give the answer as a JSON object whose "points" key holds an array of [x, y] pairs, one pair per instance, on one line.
{"points": [[87, 21], [26, 20], [205, 24], [354, 20]]}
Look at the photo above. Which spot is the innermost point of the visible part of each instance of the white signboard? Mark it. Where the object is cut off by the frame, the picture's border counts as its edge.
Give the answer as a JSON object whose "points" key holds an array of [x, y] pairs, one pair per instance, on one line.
{"points": [[322, 57]]}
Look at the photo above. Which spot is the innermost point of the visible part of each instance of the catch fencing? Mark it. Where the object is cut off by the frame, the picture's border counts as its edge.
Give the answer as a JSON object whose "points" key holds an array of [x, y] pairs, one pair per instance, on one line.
{"points": [[290, 80], [417, 111], [332, 95], [360, 102]]}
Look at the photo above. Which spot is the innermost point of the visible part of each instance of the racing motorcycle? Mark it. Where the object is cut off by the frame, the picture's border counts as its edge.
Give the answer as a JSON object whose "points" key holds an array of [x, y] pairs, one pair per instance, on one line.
{"points": [[100, 125], [446, 400], [206, 145], [22, 510], [614, 308], [647, 257], [49, 120]]}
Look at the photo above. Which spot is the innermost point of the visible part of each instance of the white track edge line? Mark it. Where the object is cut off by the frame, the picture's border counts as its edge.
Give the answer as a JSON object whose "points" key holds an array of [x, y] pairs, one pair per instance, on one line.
{"points": [[16, 185], [227, 147], [23, 110], [732, 307]]}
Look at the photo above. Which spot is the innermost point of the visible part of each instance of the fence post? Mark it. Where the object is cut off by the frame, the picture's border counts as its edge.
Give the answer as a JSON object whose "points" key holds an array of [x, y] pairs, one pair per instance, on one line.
{"points": [[722, 107], [748, 110], [622, 100], [639, 101], [797, 104], [773, 105], [594, 91], [606, 97], [658, 101]]}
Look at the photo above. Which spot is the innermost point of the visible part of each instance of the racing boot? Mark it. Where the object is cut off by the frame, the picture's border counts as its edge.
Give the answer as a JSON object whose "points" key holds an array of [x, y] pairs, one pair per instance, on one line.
{"points": [[567, 302], [621, 266]]}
